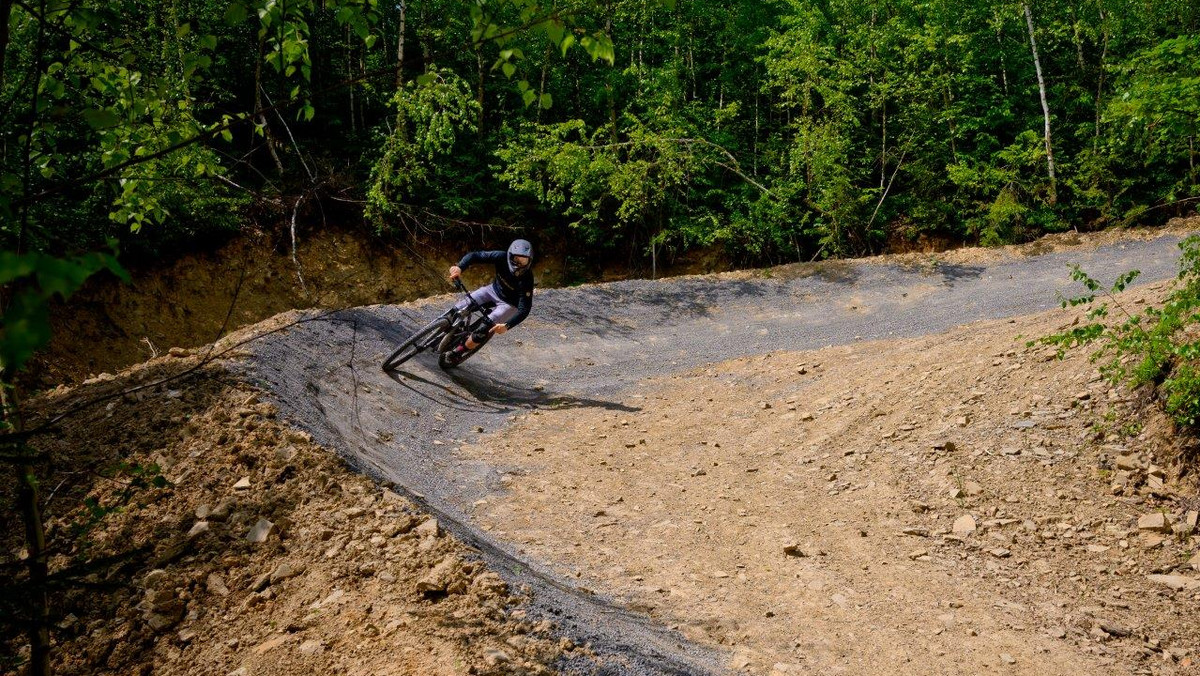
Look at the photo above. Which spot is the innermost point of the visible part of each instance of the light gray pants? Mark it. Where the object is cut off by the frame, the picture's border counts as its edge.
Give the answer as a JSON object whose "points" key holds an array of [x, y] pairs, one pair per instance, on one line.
{"points": [[486, 296]]}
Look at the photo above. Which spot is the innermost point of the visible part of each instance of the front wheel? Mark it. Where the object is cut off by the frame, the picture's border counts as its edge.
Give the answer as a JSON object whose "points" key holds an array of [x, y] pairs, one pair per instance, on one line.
{"points": [[416, 343]]}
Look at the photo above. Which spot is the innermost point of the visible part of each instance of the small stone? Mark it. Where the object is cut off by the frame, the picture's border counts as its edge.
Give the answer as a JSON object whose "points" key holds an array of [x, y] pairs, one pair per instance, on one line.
{"points": [[198, 528], [312, 647], [1001, 553], [155, 579], [964, 525], [202, 512], [216, 585], [1058, 632], [285, 571], [1114, 629], [1157, 521], [918, 553], [186, 636], [972, 489], [260, 531], [243, 484], [429, 528], [439, 578], [494, 657], [1007, 659], [919, 532]]}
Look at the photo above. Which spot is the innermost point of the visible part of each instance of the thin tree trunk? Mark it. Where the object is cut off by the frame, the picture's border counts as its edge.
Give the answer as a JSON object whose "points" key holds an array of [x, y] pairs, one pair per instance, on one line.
{"points": [[479, 96], [1100, 82], [1037, 66], [5, 13], [400, 46], [262, 118], [1003, 65], [350, 88], [35, 540]]}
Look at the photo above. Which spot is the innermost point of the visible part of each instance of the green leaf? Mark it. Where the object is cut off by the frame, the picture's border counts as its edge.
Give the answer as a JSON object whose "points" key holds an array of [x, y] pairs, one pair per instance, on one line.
{"points": [[528, 96], [545, 100], [566, 44], [508, 69], [235, 13], [100, 118]]}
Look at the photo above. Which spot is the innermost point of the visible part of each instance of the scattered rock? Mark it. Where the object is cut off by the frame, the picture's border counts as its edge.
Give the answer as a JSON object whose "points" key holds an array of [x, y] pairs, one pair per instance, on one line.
{"points": [[802, 551], [1007, 659], [1156, 521], [199, 528], [243, 484], [312, 647], [285, 571], [429, 528], [215, 584], [260, 531], [440, 577], [963, 525]]}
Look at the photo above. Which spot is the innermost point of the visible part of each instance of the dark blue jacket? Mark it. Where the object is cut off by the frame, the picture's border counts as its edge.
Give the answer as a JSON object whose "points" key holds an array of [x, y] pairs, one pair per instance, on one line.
{"points": [[514, 290]]}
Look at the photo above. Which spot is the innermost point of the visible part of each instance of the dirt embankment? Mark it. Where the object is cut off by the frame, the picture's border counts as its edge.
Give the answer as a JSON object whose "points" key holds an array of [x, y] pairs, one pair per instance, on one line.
{"points": [[261, 555]]}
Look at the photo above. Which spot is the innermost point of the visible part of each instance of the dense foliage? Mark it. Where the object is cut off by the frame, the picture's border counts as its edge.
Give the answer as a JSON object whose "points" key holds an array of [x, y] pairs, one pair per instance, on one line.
{"points": [[782, 129]]}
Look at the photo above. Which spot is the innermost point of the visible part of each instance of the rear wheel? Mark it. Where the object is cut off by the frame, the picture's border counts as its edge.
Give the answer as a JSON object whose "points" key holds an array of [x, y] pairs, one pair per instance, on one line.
{"points": [[416, 343], [448, 359]]}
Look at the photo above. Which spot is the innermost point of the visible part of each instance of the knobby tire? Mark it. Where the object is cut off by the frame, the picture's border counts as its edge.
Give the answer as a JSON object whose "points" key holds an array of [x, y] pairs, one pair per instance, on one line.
{"points": [[414, 345]]}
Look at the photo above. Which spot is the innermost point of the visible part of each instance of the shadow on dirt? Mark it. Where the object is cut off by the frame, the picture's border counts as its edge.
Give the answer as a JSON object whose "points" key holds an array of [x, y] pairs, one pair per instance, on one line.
{"points": [[486, 392], [489, 388], [952, 274]]}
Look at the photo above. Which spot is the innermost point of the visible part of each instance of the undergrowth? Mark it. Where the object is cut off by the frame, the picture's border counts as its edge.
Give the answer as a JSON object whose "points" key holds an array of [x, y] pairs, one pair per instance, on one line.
{"points": [[1158, 347]]}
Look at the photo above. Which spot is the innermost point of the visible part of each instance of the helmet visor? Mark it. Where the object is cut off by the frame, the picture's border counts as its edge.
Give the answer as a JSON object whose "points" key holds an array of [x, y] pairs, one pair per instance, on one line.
{"points": [[518, 264]]}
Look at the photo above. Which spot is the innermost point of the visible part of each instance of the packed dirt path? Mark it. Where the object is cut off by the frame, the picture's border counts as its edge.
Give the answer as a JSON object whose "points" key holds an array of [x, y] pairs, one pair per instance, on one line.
{"points": [[673, 537]]}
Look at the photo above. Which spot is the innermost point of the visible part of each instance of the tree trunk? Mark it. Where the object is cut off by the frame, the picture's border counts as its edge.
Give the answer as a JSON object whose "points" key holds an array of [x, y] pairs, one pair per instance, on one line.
{"points": [[28, 500], [479, 97], [1037, 67], [400, 46], [258, 108], [5, 13], [1100, 83]]}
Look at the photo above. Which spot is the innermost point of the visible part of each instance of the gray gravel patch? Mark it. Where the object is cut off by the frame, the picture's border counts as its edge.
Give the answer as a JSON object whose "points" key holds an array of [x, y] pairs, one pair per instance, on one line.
{"points": [[591, 347]]}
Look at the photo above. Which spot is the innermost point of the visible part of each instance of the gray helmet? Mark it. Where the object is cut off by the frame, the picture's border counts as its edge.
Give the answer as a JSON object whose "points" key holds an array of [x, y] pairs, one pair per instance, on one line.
{"points": [[519, 247]]}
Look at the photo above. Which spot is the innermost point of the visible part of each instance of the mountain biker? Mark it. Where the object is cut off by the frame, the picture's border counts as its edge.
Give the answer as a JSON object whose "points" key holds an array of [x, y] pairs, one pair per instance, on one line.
{"points": [[510, 293]]}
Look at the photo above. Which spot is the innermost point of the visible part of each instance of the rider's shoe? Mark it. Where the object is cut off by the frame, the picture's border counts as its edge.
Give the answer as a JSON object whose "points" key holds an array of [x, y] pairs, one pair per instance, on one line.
{"points": [[457, 354]]}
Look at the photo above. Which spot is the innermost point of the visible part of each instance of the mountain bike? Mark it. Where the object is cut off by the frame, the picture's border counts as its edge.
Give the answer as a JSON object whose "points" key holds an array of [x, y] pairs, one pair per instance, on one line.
{"points": [[444, 334]]}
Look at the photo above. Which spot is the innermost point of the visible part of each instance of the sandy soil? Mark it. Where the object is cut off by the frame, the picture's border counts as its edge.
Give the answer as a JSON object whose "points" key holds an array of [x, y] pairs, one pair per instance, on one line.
{"points": [[933, 506]]}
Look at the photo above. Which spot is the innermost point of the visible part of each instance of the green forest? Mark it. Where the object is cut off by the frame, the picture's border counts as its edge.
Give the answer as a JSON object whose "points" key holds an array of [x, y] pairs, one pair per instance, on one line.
{"points": [[634, 129]]}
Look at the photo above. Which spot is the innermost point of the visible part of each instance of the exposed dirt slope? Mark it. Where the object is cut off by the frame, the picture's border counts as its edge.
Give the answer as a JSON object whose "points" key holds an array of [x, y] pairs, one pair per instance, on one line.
{"points": [[348, 576], [941, 505]]}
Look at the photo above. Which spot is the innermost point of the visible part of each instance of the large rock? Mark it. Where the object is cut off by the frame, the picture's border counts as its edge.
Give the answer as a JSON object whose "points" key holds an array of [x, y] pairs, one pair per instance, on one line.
{"points": [[439, 579], [964, 525], [1177, 582], [1157, 521]]}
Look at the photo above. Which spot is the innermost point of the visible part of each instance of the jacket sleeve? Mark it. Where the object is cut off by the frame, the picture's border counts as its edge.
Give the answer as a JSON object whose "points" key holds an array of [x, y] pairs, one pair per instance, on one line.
{"points": [[480, 257], [524, 305]]}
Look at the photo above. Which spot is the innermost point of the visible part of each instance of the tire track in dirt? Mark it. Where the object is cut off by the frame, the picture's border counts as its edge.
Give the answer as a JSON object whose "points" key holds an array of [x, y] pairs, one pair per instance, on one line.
{"points": [[586, 348]]}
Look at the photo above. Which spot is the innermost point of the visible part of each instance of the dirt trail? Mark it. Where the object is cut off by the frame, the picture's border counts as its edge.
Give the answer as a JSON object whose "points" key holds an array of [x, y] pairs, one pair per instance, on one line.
{"points": [[580, 361]]}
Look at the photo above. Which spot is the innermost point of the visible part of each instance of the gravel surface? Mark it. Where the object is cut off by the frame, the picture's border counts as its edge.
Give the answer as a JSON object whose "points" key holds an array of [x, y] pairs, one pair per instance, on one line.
{"points": [[590, 347]]}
